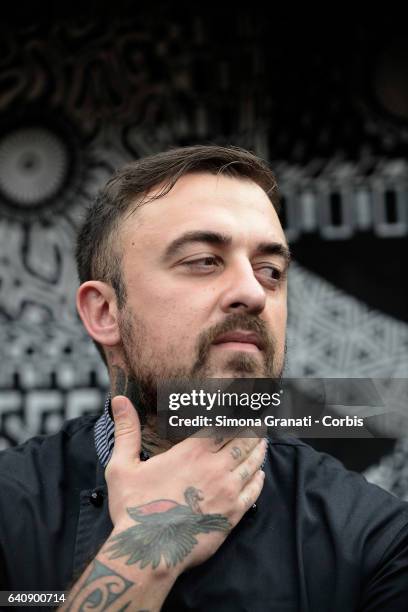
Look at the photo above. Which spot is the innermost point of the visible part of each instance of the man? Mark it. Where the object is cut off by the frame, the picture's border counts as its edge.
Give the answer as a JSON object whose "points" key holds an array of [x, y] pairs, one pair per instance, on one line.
{"points": [[183, 266]]}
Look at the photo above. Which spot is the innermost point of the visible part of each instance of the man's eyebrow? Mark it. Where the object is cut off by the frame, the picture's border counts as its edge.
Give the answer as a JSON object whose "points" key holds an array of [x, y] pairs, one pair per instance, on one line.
{"points": [[218, 239], [213, 238], [274, 248]]}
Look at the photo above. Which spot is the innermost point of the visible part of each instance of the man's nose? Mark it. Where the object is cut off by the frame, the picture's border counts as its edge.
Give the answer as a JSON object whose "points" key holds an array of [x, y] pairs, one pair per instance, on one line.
{"points": [[243, 292]]}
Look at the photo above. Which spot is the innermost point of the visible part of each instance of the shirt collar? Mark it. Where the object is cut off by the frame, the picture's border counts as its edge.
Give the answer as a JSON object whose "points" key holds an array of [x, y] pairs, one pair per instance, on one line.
{"points": [[105, 434]]}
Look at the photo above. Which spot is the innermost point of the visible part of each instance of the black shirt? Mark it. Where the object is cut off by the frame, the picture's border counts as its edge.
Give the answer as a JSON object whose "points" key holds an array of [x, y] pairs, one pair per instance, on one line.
{"points": [[322, 538]]}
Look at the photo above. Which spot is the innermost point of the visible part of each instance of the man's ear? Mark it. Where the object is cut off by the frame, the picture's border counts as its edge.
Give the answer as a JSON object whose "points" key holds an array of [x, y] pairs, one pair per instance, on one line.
{"points": [[97, 307]]}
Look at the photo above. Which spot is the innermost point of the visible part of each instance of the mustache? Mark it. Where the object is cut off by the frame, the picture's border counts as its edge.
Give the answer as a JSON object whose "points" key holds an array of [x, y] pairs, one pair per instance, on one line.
{"points": [[236, 321]]}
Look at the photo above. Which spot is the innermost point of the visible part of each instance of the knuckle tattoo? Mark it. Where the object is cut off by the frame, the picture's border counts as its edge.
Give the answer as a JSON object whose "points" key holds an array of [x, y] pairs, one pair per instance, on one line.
{"points": [[244, 474], [236, 452]]}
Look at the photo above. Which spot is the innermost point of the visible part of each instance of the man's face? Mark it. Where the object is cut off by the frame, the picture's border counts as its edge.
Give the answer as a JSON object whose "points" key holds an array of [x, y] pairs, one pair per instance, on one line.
{"points": [[205, 274]]}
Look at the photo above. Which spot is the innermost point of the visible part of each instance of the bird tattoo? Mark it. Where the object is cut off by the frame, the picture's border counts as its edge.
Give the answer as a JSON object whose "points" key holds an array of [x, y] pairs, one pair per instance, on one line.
{"points": [[165, 529]]}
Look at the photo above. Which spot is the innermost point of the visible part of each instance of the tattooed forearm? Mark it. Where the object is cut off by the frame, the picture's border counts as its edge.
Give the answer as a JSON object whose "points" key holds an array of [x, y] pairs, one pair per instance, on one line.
{"points": [[165, 530], [102, 589]]}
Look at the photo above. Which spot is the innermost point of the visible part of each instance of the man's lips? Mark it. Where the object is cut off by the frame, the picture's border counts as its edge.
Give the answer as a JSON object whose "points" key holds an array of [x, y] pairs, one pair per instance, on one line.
{"points": [[240, 340]]}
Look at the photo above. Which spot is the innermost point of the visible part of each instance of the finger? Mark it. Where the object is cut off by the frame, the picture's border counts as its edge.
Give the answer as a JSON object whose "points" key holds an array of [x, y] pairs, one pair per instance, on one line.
{"points": [[244, 471], [251, 491], [214, 440], [218, 439], [237, 450], [209, 439], [128, 436]]}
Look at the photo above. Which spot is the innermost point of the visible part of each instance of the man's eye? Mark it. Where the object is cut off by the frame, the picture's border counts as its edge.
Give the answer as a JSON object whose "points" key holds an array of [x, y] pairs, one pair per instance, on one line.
{"points": [[272, 274], [203, 263]]}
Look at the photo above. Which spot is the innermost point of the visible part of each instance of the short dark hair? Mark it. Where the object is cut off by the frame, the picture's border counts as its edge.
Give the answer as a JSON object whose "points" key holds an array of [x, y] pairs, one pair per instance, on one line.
{"points": [[96, 256]]}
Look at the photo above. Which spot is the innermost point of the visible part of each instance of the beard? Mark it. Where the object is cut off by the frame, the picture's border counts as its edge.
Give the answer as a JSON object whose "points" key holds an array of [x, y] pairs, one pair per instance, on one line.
{"points": [[145, 375]]}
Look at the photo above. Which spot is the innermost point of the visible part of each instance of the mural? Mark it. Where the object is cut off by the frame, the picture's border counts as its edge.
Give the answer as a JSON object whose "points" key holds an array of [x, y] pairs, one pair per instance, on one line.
{"points": [[79, 98]]}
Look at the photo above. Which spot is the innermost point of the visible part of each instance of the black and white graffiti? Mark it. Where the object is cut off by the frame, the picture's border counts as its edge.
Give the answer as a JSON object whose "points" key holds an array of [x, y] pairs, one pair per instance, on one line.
{"points": [[81, 97]]}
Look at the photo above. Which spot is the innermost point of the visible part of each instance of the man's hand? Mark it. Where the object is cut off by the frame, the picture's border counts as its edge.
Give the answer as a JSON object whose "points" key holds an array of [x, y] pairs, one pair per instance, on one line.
{"points": [[169, 513], [192, 494]]}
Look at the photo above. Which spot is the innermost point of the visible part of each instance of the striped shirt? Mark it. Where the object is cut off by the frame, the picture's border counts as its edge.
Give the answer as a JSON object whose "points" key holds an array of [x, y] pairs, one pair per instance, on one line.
{"points": [[105, 434]]}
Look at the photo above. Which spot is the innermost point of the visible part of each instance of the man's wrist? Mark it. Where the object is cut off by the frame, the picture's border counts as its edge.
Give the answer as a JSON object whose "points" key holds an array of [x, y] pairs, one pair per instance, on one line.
{"points": [[119, 585], [160, 573]]}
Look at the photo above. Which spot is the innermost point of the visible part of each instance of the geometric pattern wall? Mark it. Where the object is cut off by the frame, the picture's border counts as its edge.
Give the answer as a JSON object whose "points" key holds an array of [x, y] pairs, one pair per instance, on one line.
{"points": [[332, 334], [80, 97]]}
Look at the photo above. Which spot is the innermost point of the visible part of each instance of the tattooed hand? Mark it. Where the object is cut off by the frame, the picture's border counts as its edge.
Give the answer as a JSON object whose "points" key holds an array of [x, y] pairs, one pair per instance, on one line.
{"points": [[177, 508], [169, 513]]}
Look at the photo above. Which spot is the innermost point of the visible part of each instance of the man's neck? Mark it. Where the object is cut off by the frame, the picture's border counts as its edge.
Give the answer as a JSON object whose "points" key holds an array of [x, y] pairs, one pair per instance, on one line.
{"points": [[151, 441], [124, 384]]}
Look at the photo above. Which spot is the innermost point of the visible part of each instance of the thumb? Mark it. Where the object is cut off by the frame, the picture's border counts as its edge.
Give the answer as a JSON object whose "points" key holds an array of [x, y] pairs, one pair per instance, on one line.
{"points": [[128, 434]]}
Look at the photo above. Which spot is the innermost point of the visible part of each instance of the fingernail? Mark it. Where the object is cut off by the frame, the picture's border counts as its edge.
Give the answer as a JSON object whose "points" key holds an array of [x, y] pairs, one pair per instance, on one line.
{"points": [[119, 406]]}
